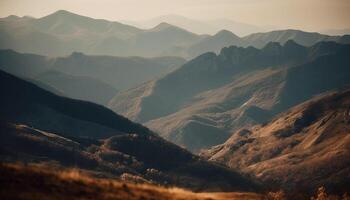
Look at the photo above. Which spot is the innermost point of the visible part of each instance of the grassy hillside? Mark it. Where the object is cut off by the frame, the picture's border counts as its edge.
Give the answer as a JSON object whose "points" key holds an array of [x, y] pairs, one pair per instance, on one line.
{"points": [[38, 182], [301, 149]]}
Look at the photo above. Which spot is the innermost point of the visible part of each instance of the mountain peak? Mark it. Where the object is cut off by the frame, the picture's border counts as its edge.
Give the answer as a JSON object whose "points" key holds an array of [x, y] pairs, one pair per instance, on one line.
{"points": [[292, 44], [62, 14], [272, 46], [162, 26], [226, 33], [12, 17]]}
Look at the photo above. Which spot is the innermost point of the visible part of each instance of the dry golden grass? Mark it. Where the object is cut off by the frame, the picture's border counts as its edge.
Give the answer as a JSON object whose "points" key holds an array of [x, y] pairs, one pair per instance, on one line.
{"points": [[38, 182], [29, 182]]}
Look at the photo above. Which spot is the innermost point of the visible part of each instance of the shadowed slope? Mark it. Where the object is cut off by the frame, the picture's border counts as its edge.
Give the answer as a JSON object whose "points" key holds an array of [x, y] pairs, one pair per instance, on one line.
{"points": [[24, 102]]}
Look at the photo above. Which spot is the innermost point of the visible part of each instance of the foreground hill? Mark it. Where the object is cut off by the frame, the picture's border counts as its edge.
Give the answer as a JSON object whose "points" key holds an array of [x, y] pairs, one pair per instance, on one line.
{"points": [[203, 102], [33, 182], [38, 126], [24, 102], [62, 33], [92, 78], [305, 147]]}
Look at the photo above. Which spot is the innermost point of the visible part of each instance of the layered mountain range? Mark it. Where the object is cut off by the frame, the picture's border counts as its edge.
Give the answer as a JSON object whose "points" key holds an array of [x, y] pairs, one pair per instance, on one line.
{"points": [[203, 102], [85, 77], [62, 33], [165, 106], [201, 26], [39, 126]]}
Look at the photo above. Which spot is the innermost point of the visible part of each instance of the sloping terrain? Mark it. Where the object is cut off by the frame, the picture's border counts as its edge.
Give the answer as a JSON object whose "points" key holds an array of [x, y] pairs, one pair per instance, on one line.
{"points": [[38, 182], [78, 87], [24, 102], [38, 126], [91, 78], [303, 148], [62, 33], [203, 102]]}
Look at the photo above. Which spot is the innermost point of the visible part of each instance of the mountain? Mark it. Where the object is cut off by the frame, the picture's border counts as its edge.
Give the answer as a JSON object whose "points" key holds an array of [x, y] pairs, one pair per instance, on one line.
{"points": [[225, 38], [200, 104], [259, 40], [200, 26], [119, 72], [214, 43], [300, 149], [62, 33], [38, 126], [24, 65], [24, 102], [86, 77], [157, 40]]}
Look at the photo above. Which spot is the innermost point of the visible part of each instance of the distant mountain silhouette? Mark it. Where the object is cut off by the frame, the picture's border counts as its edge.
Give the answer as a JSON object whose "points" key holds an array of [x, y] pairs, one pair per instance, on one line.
{"points": [[62, 33], [300, 149], [203, 102], [92, 78], [225, 39], [38, 126], [200, 26], [119, 72], [214, 43]]}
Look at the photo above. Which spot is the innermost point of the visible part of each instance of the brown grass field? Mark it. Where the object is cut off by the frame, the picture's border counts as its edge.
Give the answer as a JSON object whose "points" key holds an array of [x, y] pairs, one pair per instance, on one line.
{"points": [[31, 182]]}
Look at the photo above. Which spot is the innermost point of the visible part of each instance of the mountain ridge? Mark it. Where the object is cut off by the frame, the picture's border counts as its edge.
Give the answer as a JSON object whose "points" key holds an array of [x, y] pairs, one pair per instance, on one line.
{"points": [[69, 32], [236, 88]]}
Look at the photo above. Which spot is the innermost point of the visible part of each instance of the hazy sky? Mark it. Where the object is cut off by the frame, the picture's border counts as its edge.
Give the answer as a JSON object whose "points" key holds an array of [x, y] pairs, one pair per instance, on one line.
{"points": [[301, 14]]}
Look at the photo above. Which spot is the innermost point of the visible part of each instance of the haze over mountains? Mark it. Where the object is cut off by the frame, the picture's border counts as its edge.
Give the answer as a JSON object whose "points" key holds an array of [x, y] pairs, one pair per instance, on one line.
{"points": [[63, 33], [200, 26], [262, 112], [237, 88], [92, 78]]}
